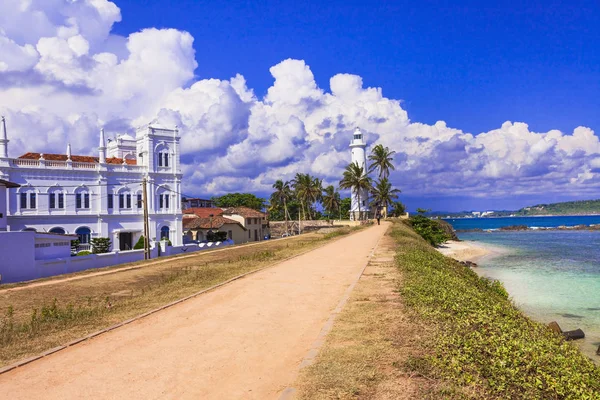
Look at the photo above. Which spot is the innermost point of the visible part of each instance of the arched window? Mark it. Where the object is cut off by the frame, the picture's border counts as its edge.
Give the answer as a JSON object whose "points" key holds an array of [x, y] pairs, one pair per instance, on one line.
{"points": [[27, 198], [82, 198], [124, 199], [56, 198], [29, 230], [163, 201], [164, 233], [162, 155], [58, 230], [83, 234]]}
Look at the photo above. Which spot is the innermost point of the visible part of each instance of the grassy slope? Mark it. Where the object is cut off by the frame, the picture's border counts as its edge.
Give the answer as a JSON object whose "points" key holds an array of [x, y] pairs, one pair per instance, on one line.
{"points": [[449, 334], [485, 345]]}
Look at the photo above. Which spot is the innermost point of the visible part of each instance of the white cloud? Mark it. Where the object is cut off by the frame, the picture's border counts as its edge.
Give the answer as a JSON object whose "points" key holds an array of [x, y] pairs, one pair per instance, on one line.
{"points": [[64, 74]]}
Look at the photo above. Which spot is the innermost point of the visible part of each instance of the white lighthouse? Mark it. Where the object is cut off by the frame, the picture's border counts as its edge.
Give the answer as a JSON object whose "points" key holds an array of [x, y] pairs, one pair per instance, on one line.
{"points": [[359, 156]]}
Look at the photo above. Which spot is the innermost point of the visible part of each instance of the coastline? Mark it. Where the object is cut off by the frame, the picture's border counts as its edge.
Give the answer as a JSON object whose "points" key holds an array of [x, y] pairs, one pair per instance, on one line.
{"points": [[467, 250]]}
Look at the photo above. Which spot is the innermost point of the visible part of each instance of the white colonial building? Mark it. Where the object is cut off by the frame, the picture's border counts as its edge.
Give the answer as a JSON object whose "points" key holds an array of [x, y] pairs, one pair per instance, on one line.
{"points": [[98, 196]]}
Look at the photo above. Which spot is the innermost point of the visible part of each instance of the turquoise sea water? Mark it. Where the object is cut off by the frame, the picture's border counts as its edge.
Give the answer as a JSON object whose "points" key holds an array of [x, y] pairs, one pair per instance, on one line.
{"points": [[550, 275]]}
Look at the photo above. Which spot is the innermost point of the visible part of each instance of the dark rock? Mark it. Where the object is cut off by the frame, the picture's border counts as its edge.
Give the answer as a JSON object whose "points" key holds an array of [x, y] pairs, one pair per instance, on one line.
{"points": [[573, 316], [555, 327], [574, 335], [515, 228], [598, 351]]}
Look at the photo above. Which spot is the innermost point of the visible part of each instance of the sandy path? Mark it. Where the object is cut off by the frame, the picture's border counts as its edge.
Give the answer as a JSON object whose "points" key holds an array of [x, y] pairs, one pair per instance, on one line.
{"points": [[242, 341]]}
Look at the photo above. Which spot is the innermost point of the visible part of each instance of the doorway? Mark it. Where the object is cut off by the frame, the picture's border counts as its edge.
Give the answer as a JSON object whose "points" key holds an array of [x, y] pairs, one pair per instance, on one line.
{"points": [[125, 241]]}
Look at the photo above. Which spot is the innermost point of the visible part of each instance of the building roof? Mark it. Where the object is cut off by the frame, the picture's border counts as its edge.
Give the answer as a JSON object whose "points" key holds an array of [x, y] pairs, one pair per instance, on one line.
{"points": [[88, 159], [205, 223], [245, 212], [203, 212], [8, 184]]}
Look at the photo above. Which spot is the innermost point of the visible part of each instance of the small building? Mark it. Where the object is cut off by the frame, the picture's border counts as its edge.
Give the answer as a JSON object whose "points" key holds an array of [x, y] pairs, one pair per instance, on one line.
{"points": [[255, 222], [197, 228], [187, 203], [4, 185]]}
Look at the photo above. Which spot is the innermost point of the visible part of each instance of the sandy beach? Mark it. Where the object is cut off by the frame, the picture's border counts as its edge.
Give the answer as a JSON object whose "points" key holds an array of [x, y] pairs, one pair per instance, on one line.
{"points": [[466, 250]]}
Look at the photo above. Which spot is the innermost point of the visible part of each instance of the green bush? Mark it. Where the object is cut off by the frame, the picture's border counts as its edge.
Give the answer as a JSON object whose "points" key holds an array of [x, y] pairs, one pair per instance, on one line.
{"points": [[100, 245], [429, 230], [140, 244], [484, 345], [84, 253]]}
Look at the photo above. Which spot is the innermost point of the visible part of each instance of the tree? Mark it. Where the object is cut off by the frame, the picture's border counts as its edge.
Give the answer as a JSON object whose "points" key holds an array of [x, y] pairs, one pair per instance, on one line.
{"points": [[345, 205], [140, 243], [240, 200], [384, 194], [100, 245], [422, 210], [381, 160], [398, 209], [281, 196], [308, 190], [331, 200], [356, 180]]}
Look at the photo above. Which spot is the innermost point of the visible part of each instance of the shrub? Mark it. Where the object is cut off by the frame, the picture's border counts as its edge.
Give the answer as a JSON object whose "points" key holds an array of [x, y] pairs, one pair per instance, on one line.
{"points": [[429, 230], [140, 243], [74, 246], [84, 253], [216, 236], [100, 245]]}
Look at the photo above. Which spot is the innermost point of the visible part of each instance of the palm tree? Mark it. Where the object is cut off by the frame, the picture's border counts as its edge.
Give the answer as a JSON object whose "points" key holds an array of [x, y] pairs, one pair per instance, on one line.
{"points": [[282, 194], [399, 209], [301, 184], [381, 158], [331, 200], [356, 180], [383, 194]]}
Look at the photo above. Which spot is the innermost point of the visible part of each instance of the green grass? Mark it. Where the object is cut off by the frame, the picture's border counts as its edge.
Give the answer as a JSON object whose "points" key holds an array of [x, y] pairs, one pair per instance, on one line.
{"points": [[485, 346]]}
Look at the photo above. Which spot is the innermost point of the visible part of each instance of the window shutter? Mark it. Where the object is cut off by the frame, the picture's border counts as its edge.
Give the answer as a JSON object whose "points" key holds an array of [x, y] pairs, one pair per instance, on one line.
{"points": [[52, 200]]}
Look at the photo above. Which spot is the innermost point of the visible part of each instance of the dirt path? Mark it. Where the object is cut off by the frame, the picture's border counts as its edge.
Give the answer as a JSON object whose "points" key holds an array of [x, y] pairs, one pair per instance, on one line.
{"points": [[243, 341]]}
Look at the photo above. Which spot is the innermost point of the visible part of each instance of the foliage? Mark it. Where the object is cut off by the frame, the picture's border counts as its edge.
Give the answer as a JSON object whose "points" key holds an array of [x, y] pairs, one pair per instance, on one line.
{"points": [[84, 253], [100, 245], [216, 236], [168, 241], [356, 177], [345, 205], [308, 190], [422, 210], [483, 342], [383, 193], [398, 209], [331, 201], [74, 246], [381, 160], [140, 243], [429, 230], [239, 200]]}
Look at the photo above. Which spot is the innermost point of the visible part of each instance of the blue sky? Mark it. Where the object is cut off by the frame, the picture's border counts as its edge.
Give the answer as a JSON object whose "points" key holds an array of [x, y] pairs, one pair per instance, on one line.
{"points": [[487, 106], [471, 66]]}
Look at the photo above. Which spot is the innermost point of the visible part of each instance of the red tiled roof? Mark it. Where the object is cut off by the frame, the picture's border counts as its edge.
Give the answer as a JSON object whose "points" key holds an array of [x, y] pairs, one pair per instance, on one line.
{"points": [[203, 212], [205, 223], [63, 157], [245, 212]]}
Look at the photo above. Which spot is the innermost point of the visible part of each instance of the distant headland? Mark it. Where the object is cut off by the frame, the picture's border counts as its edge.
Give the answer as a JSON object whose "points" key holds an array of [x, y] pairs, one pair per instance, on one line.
{"points": [[568, 208]]}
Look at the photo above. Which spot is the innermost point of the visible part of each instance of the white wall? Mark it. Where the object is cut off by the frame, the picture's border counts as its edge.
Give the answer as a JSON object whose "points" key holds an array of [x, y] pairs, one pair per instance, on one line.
{"points": [[3, 210], [18, 262]]}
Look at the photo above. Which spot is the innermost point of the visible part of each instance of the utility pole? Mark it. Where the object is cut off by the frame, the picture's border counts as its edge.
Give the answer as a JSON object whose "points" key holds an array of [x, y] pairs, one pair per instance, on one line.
{"points": [[146, 230]]}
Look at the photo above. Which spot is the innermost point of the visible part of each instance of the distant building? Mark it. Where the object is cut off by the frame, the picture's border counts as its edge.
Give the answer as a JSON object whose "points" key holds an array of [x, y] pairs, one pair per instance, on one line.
{"points": [[191, 203], [98, 196], [197, 228], [255, 222]]}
